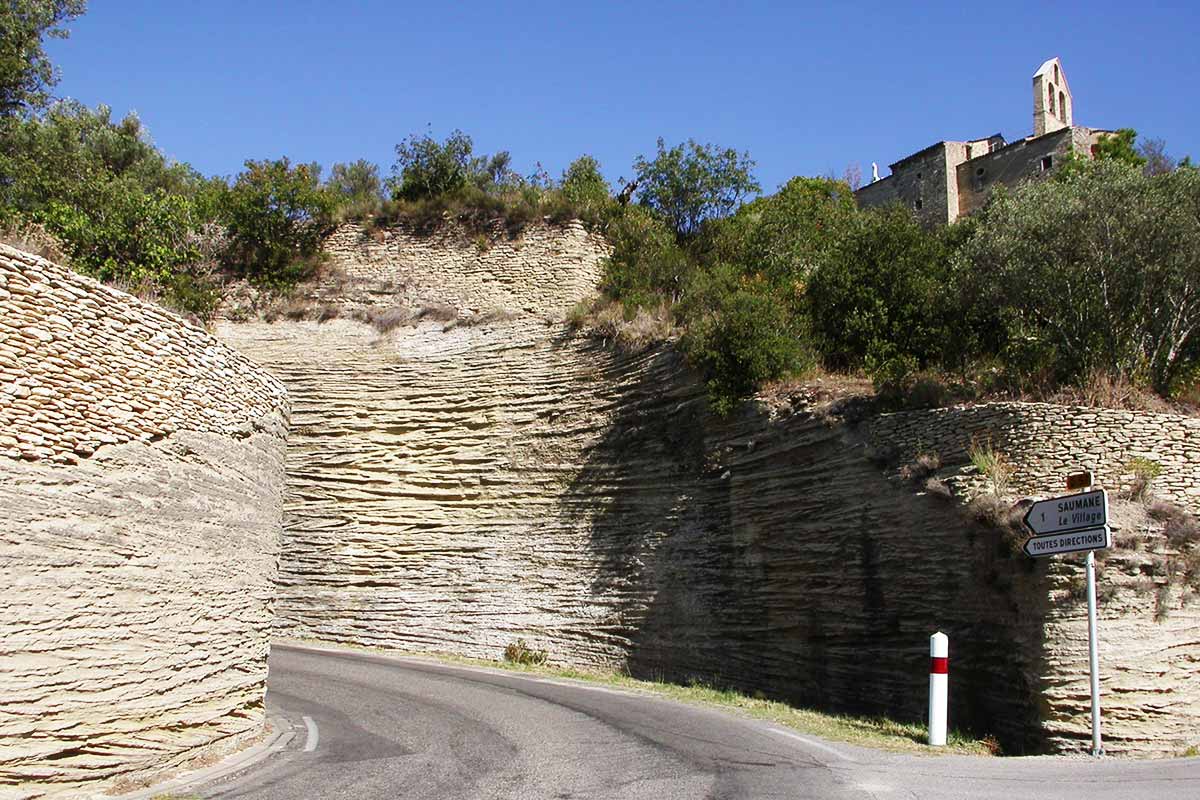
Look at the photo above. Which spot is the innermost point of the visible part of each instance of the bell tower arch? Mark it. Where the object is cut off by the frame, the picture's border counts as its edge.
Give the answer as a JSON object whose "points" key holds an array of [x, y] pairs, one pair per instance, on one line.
{"points": [[1053, 106]]}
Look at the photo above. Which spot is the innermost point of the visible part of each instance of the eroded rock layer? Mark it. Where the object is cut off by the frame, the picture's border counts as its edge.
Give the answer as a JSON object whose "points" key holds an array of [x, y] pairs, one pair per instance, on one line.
{"points": [[455, 488], [458, 490], [141, 483]]}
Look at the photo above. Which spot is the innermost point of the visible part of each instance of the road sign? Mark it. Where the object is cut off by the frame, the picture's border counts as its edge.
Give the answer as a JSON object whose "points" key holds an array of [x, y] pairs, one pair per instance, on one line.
{"points": [[1068, 513], [1069, 542]]}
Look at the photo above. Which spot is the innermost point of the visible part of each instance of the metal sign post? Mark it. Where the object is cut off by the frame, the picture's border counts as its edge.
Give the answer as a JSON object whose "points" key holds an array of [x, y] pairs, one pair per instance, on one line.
{"points": [[1069, 524], [1093, 655]]}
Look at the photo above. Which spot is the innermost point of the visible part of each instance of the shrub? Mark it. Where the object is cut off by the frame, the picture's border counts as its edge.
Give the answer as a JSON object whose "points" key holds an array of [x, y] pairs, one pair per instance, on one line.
{"points": [[519, 652], [646, 265], [277, 215], [1182, 531], [877, 299], [748, 339], [1144, 471], [584, 190], [994, 512]]}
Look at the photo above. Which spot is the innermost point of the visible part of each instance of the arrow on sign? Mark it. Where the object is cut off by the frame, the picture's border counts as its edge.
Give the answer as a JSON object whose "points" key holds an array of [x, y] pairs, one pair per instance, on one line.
{"points": [[1069, 542], [1068, 513]]}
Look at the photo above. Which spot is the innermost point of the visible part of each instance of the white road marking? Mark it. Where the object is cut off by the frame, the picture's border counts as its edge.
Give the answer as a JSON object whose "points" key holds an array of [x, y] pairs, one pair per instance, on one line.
{"points": [[313, 735], [811, 743]]}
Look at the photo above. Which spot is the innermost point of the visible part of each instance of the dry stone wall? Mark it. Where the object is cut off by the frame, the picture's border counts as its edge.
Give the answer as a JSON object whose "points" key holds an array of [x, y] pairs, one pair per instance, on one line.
{"points": [[543, 270], [141, 479], [1045, 442], [456, 488]]}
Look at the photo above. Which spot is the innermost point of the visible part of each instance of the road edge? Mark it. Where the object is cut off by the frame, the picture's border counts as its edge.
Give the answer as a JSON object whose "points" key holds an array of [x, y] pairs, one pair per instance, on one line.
{"points": [[280, 735]]}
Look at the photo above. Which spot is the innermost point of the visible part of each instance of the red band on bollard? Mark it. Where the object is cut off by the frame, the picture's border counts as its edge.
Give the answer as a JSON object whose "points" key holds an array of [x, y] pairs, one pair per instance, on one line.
{"points": [[939, 666]]}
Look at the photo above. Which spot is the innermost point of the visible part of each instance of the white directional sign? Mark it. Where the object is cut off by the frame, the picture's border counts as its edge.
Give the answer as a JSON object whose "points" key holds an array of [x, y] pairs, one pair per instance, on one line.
{"points": [[1069, 542], [1068, 513]]}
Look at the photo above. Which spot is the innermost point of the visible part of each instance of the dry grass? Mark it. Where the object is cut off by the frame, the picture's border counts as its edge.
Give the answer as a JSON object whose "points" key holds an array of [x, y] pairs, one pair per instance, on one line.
{"points": [[34, 238], [490, 316], [938, 488], [921, 467], [992, 464], [1102, 390], [608, 320], [995, 512], [293, 307]]}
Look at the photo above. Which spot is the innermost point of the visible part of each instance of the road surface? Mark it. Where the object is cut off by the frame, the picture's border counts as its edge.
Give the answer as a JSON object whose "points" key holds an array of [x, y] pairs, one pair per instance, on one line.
{"points": [[371, 726]]}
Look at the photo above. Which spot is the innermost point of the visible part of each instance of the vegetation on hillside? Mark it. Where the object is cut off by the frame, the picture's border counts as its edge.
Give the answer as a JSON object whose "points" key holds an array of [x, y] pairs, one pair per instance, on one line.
{"points": [[1089, 279]]}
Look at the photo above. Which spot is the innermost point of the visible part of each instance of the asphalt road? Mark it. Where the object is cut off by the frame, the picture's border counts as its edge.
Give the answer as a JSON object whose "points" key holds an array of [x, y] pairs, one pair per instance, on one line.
{"points": [[382, 727]]}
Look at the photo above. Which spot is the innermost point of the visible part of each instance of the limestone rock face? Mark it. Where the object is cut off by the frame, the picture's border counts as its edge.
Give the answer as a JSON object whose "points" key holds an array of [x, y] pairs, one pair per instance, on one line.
{"points": [[455, 489], [140, 513]]}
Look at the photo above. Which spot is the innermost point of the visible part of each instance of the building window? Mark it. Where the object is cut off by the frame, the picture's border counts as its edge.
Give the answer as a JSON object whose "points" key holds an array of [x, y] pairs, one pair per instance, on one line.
{"points": [[918, 205], [1050, 97], [1047, 163], [1056, 80], [918, 176], [1062, 106], [968, 152]]}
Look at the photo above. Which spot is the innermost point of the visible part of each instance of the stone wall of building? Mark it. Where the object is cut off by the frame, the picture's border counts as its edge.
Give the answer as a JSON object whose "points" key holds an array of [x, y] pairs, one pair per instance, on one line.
{"points": [[1009, 165], [141, 481], [454, 488]]}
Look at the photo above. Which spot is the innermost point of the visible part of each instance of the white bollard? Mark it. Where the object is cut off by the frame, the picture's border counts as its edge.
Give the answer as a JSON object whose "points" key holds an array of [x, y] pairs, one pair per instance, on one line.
{"points": [[939, 678]]}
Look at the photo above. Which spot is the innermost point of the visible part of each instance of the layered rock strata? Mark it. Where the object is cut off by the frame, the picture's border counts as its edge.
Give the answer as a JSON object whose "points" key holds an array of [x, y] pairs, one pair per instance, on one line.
{"points": [[544, 270], [456, 488], [141, 479]]}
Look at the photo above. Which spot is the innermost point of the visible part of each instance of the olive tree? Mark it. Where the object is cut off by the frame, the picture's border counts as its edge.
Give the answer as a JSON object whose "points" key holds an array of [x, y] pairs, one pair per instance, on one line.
{"points": [[1097, 272]]}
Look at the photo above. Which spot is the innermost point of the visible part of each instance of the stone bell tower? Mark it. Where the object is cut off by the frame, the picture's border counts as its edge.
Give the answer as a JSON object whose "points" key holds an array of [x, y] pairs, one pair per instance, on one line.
{"points": [[1053, 107]]}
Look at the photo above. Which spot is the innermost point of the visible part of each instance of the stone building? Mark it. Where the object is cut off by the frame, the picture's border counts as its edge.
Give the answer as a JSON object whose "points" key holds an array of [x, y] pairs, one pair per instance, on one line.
{"points": [[952, 178]]}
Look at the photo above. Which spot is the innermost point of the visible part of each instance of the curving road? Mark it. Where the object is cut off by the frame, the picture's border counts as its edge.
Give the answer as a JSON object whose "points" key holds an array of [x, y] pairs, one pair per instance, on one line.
{"points": [[372, 726]]}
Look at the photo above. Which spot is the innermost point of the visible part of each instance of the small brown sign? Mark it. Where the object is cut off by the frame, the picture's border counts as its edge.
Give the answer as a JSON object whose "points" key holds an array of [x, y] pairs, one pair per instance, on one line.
{"points": [[1079, 480]]}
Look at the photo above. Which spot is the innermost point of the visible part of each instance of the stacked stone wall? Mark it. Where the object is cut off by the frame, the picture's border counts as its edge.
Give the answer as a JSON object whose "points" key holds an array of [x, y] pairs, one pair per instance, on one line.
{"points": [[141, 479], [542, 270], [1045, 442]]}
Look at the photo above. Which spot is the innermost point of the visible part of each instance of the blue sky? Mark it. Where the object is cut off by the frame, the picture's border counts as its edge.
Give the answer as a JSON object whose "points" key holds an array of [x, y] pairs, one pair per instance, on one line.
{"points": [[805, 89]]}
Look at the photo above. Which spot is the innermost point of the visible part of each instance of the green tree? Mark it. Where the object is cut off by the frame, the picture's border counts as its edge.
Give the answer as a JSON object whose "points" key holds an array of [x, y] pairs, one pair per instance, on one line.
{"points": [[62, 154], [277, 215], [1099, 272], [26, 74], [123, 212], [427, 168], [1120, 147], [785, 236], [691, 183]]}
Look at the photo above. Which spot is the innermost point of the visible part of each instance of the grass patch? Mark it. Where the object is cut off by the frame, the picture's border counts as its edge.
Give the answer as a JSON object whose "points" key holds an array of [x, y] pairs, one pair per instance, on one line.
{"points": [[875, 732], [992, 464]]}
